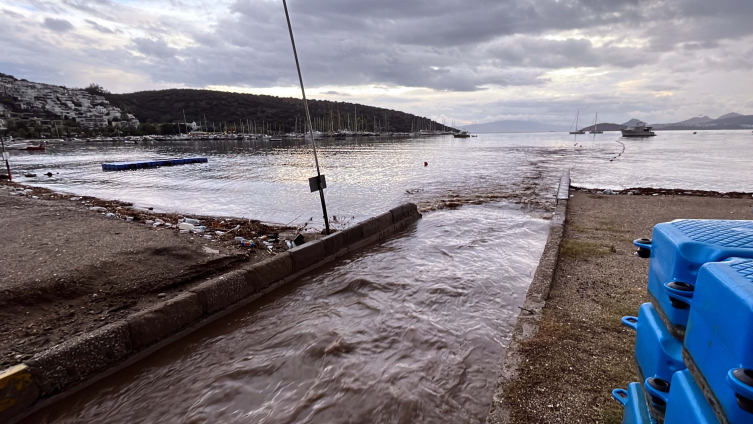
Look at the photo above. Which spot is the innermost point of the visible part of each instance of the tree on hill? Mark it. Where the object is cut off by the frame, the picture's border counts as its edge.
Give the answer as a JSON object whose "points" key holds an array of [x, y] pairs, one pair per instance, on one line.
{"points": [[96, 90], [220, 108]]}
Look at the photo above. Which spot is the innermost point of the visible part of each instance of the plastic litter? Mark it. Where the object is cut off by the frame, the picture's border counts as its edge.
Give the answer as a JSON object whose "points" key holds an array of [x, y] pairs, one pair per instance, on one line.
{"points": [[197, 230], [110, 215], [219, 233], [184, 231], [185, 226], [149, 222], [191, 221], [248, 243], [239, 239], [74, 199]]}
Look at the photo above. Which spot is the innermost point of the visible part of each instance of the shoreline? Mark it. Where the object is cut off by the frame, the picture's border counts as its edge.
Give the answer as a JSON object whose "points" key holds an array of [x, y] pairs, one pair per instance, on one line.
{"points": [[71, 269], [84, 350], [568, 354]]}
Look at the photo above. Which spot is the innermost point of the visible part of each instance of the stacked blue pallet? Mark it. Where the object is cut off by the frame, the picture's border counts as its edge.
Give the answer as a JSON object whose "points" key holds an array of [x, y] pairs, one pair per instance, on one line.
{"points": [[718, 344], [684, 281], [678, 250]]}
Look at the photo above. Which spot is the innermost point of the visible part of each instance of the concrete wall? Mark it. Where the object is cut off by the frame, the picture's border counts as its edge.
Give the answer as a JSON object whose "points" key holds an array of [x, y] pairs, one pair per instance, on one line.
{"points": [[527, 325], [57, 373]]}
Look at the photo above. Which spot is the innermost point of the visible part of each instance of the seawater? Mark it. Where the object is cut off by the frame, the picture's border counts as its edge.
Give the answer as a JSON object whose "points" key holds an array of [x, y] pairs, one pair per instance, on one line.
{"points": [[411, 330]]}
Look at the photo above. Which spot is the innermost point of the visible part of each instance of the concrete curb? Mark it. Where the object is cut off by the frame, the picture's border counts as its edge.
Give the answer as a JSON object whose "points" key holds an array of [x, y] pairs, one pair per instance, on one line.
{"points": [[527, 325], [65, 369]]}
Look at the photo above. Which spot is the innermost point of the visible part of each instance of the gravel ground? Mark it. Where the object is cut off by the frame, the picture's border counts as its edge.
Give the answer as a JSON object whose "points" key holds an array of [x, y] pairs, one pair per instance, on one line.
{"points": [[67, 269], [582, 351]]}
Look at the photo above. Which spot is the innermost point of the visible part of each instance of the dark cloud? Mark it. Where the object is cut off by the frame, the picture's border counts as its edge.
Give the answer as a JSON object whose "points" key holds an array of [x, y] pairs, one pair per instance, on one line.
{"points": [[58, 25], [462, 46], [335, 93], [157, 48]]}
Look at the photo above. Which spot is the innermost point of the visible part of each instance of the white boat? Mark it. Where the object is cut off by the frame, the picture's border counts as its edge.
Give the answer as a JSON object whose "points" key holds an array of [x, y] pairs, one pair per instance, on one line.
{"points": [[639, 130], [577, 131], [317, 135]]}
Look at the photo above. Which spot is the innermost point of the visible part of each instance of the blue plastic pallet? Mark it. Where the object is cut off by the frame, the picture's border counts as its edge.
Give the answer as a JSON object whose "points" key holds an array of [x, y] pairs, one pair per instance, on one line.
{"points": [[122, 166], [658, 355], [686, 404], [678, 249], [719, 339], [634, 401]]}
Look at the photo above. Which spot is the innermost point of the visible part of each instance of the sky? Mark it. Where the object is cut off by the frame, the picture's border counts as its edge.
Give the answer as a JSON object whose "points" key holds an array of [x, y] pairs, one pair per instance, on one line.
{"points": [[464, 61]]}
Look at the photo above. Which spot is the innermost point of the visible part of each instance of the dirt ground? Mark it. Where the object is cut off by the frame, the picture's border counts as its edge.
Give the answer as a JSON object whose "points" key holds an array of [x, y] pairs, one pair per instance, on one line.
{"points": [[66, 269], [582, 351]]}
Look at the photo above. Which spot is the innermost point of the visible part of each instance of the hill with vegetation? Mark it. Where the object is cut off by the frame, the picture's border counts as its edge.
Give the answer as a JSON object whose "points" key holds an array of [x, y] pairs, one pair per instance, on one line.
{"points": [[278, 113]]}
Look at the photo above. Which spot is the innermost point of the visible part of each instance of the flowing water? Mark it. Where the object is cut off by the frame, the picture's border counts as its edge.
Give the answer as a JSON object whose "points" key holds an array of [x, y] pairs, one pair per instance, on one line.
{"points": [[411, 330]]}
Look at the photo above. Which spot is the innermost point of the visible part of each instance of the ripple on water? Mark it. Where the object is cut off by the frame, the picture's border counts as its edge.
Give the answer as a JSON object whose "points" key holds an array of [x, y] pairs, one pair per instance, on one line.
{"points": [[408, 331]]}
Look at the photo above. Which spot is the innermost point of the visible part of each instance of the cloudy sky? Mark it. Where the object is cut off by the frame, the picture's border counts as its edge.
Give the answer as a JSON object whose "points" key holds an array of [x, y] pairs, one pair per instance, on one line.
{"points": [[465, 60]]}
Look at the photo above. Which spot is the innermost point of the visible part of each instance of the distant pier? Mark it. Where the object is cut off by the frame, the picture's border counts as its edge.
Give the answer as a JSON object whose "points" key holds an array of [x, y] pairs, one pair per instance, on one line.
{"points": [[122, 166]]}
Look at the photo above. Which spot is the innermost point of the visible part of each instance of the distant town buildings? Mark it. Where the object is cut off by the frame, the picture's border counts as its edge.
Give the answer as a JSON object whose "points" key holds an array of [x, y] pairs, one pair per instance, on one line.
{"points": [[51, 101]]}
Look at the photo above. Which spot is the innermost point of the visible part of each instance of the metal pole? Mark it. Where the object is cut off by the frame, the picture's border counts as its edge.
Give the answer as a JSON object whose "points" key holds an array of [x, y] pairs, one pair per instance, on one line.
{"points": [[308, 118], [7, 164]]}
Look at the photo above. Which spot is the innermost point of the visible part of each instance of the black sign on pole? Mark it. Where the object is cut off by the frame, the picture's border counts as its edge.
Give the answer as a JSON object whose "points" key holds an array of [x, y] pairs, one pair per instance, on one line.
{"points": [[314, 184]]}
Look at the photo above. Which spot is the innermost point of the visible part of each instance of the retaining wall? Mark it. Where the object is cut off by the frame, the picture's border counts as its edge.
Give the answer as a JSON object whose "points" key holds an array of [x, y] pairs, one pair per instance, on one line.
{"points": [[71, 366], [527, 325]]}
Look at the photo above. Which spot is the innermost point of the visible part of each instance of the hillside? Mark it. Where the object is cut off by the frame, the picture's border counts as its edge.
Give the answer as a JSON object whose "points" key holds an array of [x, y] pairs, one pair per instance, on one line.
{"points": [[729, 115], [166, 106], [513, 126], [734, 122], [605, 127], [695, 121]]}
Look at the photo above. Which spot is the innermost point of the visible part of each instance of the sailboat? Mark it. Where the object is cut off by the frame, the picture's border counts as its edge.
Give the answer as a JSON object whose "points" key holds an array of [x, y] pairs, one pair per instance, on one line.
{"points": [[595, 129], [577, 131]]}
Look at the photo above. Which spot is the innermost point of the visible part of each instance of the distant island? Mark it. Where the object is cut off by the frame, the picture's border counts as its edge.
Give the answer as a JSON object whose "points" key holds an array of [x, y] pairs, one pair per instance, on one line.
{"points": [[729, 121]]}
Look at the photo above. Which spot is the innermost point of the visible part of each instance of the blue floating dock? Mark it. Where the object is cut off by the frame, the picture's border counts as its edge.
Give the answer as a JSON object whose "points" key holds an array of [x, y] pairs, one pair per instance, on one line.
{"points": [[122, 166]]}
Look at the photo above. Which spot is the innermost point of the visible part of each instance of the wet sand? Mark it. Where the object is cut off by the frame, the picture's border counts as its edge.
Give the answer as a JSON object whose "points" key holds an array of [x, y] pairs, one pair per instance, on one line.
{"points": [[582, 351], [67, 270]]}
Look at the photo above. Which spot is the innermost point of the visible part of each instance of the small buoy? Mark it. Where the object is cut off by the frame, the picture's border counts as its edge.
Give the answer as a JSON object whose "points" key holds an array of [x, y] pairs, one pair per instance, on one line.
{"points": [[426, 163]]}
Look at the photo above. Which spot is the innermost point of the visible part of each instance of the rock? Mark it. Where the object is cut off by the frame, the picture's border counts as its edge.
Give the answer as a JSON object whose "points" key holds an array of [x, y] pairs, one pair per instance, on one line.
{"points": [[30, 175], [162, 295], [608, 191], [97, 209]]}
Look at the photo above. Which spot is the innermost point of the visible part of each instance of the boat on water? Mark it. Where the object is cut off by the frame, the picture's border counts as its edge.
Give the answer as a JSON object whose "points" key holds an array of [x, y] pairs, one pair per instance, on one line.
{"points": [[577, 131], [639, 130], [462, 134], [595, 129]]}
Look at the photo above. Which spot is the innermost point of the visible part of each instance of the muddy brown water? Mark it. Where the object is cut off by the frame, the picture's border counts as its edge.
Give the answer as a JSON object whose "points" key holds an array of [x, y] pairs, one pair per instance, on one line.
{"points": [[412, 330]]}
